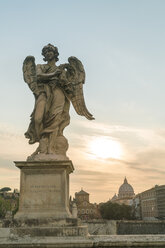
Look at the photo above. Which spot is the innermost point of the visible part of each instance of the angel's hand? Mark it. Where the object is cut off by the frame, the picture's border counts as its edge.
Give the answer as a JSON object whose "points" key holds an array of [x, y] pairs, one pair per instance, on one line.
{"points": [[57, 72]]}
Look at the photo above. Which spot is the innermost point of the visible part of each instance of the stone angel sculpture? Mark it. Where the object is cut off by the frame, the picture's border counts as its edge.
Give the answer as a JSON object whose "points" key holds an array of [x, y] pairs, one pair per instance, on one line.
{"points": [[54, 87]]}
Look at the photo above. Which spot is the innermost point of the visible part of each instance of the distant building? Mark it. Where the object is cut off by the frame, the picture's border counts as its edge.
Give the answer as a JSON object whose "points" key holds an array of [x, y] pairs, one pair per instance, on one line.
{"points": [[114, 198], [86, 210], [125, 194], [160, 197], [152, 203], [148, 204]]}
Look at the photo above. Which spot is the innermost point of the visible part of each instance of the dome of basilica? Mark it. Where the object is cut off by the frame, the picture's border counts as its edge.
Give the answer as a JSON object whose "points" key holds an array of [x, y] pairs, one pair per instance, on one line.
{"points": [[126, 190]]}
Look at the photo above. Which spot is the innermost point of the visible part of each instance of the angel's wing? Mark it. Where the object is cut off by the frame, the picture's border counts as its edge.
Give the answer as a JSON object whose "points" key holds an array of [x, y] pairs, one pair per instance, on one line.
{"points": [[77, 79], [29, 73]]}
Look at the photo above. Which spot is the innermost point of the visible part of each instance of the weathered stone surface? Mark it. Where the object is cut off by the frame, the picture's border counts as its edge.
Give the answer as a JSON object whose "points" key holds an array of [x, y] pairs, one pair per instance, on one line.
{"points": [[140, 227], [123, 227], [101, 227], [44, 190], [110, 241], [57, 231], [47, 222], [4, 232]]}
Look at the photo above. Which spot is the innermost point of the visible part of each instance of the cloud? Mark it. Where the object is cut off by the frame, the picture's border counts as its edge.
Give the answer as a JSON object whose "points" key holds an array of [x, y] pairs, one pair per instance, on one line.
{"points": [[151, 170], [160, 132], [13, 144], [142, 160], [9, 176], [150, 160], [7, 164]]}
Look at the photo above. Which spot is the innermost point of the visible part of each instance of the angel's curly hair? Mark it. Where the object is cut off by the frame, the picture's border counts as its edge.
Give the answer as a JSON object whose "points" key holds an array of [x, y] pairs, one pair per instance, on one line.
{"points": [[52, 48]]}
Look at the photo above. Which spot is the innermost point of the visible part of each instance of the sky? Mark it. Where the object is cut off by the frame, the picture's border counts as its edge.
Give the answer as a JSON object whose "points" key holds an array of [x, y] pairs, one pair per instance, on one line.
{"points": [[121, 44]]}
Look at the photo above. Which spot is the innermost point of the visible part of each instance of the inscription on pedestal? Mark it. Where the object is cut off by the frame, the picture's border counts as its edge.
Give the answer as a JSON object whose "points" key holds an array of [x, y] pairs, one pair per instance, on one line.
{"points": [[41, 191], [42, 188]]}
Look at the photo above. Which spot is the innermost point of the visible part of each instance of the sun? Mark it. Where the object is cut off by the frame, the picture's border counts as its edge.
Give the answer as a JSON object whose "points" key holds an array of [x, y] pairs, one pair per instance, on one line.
{"points": [[104, 147]]}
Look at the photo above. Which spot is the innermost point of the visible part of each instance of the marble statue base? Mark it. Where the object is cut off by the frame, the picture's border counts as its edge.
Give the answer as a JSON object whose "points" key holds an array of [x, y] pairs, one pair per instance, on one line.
{"points": [[44, 201], [44, 190]]}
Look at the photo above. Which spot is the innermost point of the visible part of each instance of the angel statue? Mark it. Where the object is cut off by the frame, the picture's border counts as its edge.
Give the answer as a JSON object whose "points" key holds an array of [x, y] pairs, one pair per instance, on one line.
{"points": [[54, 87]]}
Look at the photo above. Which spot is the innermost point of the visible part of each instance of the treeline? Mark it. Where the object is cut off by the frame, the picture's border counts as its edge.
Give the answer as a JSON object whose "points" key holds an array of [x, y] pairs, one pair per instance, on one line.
{"points": [[108, 210], [115, 211]]}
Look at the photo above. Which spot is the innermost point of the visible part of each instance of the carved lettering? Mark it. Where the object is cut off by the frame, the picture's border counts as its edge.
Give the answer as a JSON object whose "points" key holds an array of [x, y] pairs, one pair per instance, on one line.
{"points": [[43, 188]]}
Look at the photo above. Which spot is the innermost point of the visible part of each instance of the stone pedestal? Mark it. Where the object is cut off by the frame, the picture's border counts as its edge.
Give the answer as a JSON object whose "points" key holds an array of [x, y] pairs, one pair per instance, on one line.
{"points": [[44, 190], [44, 201]]}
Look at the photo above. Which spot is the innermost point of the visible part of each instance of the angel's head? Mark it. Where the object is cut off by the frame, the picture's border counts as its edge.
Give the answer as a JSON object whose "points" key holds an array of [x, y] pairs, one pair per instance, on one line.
{"points": [[48, 50]]}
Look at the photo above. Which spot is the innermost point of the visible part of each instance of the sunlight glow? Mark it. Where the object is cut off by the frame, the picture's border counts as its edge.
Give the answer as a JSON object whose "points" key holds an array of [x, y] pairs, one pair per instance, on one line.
{"points": [[104, 147]]}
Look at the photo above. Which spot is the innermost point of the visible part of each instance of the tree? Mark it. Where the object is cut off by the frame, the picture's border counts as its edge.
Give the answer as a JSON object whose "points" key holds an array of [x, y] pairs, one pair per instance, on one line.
{"points": [[5, 206], [5, 189], [114, 211]]}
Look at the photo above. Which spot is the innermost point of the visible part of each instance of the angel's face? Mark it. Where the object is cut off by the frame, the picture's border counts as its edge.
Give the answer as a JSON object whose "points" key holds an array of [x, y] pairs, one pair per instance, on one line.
{"points": [[49, 55]]}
